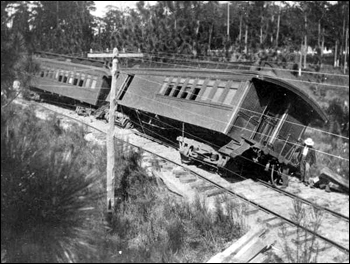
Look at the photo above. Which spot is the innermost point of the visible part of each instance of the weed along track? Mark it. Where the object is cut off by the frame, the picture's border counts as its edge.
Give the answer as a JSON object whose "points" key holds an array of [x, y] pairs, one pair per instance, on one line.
{"points": [[299, 216]]}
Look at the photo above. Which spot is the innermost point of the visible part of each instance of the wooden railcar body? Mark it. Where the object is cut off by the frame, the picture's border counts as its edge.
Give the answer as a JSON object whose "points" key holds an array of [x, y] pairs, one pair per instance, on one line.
{"points": [[213, 114], [228, 110], [84, 83]]}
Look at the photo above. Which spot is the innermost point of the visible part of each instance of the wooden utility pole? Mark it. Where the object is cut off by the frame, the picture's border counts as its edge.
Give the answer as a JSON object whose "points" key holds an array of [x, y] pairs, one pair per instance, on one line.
{"points": [[228, 20], [110, 135]]}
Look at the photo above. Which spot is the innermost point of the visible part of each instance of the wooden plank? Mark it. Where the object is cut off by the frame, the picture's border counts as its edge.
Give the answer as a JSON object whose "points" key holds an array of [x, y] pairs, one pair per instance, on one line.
{"points": [[206, 188], [216, 192], [187, 179], [250, 252], [328, 175], [238, 245], [260, 258], [169, 185]]}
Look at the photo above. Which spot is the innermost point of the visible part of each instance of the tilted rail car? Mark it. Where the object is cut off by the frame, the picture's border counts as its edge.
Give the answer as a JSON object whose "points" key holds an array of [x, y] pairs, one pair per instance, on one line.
{"points": [[218, 115], [214, 115], [84, 81]]}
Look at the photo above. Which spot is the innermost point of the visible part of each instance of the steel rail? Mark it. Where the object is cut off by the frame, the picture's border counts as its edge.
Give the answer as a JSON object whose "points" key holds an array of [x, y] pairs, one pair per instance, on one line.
{"points": [[344, 217], [216, 184]]}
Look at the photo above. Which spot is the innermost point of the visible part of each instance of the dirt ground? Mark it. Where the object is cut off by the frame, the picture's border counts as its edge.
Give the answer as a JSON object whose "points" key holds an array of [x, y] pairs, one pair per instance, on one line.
{"points": [[179, 182]]}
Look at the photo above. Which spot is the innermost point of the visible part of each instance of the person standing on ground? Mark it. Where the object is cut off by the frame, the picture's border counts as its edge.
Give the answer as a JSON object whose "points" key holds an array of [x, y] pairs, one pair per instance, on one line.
{"points": [[307, 158]]}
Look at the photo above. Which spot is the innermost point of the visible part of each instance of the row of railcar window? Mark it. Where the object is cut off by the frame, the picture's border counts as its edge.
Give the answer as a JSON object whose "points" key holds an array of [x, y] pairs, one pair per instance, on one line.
{"points": [[70, 77], [213, 91]]}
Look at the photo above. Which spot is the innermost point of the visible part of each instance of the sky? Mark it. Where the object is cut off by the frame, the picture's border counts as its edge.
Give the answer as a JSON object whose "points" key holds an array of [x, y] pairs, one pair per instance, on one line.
{"points": [[101, 6]]}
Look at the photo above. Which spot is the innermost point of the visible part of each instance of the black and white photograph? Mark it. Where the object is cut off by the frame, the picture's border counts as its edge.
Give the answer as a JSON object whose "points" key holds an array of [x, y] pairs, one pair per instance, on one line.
{"points": [[174, 132]]}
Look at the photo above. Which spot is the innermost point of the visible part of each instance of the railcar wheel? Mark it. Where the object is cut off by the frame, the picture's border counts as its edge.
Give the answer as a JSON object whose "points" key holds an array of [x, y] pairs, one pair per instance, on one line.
{"points": [[186, 158]]}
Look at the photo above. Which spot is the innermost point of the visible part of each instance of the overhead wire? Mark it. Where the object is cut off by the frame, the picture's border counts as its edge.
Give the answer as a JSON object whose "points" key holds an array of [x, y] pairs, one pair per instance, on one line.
{"points": [[83, 98], [299, 145], [239, 196], [250, 111], [218, 120], [326, 132], [243, 63], [275, 77], [209, 118], [200, 161]]}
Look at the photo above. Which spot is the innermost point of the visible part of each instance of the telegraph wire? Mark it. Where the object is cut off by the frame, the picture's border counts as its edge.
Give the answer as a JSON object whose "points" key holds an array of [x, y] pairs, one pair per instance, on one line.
{"points": [[154, 54], [326, 132], [260, 114], [296, 144]]}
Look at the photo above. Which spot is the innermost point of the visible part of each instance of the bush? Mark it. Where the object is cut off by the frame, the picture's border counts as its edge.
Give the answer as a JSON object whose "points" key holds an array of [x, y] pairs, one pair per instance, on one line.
{"points": [[52, 203], [49, 191], [155, 227]]}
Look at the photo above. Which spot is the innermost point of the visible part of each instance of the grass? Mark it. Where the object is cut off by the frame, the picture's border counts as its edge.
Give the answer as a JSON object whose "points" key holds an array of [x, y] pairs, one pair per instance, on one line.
{"points": [[49, 191], [53, 203], [153, 226], [304, 248]]}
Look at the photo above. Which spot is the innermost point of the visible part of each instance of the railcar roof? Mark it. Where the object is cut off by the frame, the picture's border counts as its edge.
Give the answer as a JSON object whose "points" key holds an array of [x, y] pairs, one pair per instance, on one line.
{"points": [[269, 73]]}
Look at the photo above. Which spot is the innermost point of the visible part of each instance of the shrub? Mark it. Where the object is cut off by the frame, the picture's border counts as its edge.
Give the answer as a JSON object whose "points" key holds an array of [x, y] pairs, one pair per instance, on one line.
{"points": [[155, 227], [49, 191]]}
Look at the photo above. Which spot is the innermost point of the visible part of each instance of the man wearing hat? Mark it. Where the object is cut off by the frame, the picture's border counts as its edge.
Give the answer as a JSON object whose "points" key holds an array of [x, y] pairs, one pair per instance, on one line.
{"points": [[306, 157]]}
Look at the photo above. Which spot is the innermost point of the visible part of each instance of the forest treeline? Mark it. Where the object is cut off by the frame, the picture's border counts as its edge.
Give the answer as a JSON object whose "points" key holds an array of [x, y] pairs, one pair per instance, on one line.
{"points": [[183, 27]]}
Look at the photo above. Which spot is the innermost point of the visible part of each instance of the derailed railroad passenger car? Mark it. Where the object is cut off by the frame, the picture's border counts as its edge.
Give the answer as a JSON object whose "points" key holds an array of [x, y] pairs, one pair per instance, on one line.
{"points": [[219, 115], [86, 82]]}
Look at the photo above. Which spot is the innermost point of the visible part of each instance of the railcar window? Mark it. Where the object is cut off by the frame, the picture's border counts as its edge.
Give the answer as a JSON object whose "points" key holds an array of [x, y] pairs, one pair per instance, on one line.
{"points": [[76, 79], [169, 89], [187, 89], [42, 74], [185, 92], [197, 89], [165, 84], [94, 82], [195, 93], [208, 90], [219, 90], [81, 82], [88, 80], [218, 93], [177, 90], [178, 87], [231, 93], [65, 78], [71, 78], [229, 97], [60, 77]]}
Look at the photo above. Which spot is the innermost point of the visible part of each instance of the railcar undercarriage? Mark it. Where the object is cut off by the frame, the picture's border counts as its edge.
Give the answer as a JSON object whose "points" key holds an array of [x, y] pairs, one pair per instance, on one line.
{"points": [[250, 161]]}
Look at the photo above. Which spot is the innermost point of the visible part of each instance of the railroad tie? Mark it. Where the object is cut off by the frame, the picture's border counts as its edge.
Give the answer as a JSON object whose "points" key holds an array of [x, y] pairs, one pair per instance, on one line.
{"points": [[178, 172], [325, 247], [274, 224], [252, 211], [187, 179], [206, 188], [269, 219], [288, 232], [167, 166], [216, 192], [301, 241]]}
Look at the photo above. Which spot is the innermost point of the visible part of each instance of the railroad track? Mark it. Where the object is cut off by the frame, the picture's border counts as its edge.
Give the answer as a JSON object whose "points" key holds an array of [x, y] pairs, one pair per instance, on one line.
{"points": [[262, 203]]}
